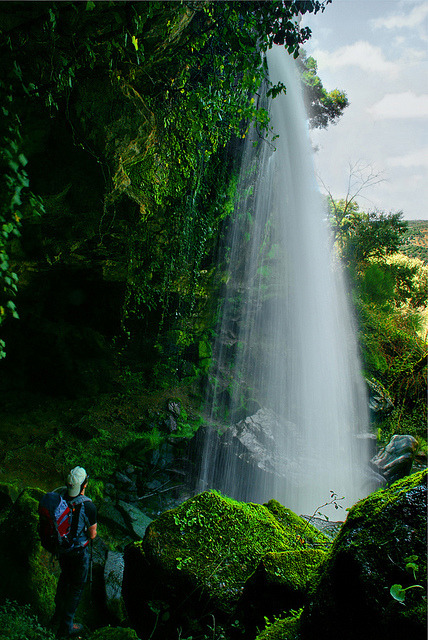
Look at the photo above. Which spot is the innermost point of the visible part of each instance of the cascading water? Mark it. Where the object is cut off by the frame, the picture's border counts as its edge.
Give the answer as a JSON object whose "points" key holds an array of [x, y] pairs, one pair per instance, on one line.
{"points": [[287, 342]]}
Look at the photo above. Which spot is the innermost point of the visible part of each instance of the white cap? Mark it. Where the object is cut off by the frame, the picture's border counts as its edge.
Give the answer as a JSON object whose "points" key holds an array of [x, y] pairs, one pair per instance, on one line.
{"points": [[75, 479]]}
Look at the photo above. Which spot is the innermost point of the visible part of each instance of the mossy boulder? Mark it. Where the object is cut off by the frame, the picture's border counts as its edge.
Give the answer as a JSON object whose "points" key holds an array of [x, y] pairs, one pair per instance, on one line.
{"points": [[282, 628], [8, 493], [114, 633], [196, 560], [383, 542], [281, 582], [25, 572]]}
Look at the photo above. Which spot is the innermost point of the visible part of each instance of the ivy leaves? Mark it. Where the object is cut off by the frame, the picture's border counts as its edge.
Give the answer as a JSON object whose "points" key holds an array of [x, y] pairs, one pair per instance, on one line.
{"points": [[16, 201]]}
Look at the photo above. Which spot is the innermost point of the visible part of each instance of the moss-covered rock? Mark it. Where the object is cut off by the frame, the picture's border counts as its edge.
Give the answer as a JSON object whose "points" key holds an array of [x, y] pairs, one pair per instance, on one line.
{"points": [[114, 633], [25, 574], [8, 493], [282, 628], [195, 560], [281, 582], [382, 543]]}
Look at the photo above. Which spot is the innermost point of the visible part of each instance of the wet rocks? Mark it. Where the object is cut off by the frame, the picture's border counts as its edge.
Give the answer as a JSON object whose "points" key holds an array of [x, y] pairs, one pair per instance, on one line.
{"points": [[396, 459], [372, 551]]}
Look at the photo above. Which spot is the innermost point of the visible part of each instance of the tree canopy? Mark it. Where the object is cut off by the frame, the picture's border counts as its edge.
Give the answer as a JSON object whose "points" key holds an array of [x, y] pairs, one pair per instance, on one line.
{"points": [[323, 107]]}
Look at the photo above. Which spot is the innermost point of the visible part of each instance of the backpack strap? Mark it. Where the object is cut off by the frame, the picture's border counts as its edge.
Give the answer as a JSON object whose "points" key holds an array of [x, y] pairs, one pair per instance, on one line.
{"points": [[77, 504]]}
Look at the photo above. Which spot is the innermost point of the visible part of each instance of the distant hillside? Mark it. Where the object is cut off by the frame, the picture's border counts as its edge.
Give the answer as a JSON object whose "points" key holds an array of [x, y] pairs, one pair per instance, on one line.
{"points": [[415, 242]]}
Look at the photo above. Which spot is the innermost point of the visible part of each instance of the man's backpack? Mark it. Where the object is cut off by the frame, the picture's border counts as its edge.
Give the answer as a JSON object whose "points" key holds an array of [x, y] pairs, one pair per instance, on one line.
{"points": [[61, 524]]}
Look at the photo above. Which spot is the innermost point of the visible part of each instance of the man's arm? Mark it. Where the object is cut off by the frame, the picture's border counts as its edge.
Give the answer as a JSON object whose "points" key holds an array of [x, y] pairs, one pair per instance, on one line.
{"points": [[91, 514], [92, 531]]}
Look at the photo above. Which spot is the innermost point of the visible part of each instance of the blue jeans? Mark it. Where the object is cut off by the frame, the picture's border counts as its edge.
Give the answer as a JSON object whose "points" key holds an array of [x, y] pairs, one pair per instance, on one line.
{"points": [[74, 573]]}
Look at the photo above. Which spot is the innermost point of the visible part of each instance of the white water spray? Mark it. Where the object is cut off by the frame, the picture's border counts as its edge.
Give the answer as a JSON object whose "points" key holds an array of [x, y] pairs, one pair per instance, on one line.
{"points": [[288, 329]]}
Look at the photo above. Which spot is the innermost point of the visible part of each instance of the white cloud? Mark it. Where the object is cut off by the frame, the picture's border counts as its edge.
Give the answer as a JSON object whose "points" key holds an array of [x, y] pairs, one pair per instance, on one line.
{"points": [[410, 20], [418, 158], [400, 105], [362, 54]]}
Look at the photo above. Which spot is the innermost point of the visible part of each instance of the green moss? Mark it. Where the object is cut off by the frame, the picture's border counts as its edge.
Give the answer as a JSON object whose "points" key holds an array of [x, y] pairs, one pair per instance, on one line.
{"points": [[382, 534], [25, 572], [18, 622], [114, 633], [8, 494], [95, 491], [293, 569], [220, 541], [382, 499], [282, 628], [292, 523]]}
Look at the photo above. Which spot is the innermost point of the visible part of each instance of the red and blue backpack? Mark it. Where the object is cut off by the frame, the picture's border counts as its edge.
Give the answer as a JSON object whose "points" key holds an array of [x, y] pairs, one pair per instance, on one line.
{"points": [[62, 524]]}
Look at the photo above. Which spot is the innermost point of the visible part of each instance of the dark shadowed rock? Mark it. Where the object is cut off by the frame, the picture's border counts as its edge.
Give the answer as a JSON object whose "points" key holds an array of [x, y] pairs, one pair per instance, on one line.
{"points": [[136, 520], [382, 543], [26, 571]]}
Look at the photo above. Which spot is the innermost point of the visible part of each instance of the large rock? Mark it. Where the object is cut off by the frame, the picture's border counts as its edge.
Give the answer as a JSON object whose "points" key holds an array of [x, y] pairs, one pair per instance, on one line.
{"points": [[246, 454], [137, 521], [196, 560], [253, 440], [113, 577], [382, 543], [26, 574], [281, 581], [396, 459]]}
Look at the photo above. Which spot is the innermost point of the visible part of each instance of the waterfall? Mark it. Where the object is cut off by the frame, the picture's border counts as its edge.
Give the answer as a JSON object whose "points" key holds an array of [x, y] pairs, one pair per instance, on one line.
{"points": [[286, 349]]}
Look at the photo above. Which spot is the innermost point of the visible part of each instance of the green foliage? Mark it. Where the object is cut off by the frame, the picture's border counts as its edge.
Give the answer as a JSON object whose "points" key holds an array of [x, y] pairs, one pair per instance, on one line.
{"points": [[24, 572], [16, 201], [376, 285], [399, 594], [410, 276], [323, 107], [390, 293], [103, 454], [211, 545], [415, 240], [362, 235], [397, 591], [282, 628], [185, 75], [408, 417], [95, 491], [235, 535], [382, 535], [18, 622], [394, 354]]}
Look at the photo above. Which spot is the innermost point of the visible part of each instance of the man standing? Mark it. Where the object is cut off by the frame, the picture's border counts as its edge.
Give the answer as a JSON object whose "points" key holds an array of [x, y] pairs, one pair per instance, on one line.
{"points": [[74, 562]]}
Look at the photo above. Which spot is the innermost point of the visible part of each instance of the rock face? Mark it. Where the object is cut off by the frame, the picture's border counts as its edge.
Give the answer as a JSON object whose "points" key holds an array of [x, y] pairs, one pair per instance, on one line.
{"points": [[249, 443], [396, 459], [197, 561], [382, 543], [113, 576], [253, 440], [380, 403]]}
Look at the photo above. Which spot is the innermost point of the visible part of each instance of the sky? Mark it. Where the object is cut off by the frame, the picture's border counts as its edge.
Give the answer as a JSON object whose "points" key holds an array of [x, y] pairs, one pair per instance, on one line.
{"points": [[377, 52]]}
